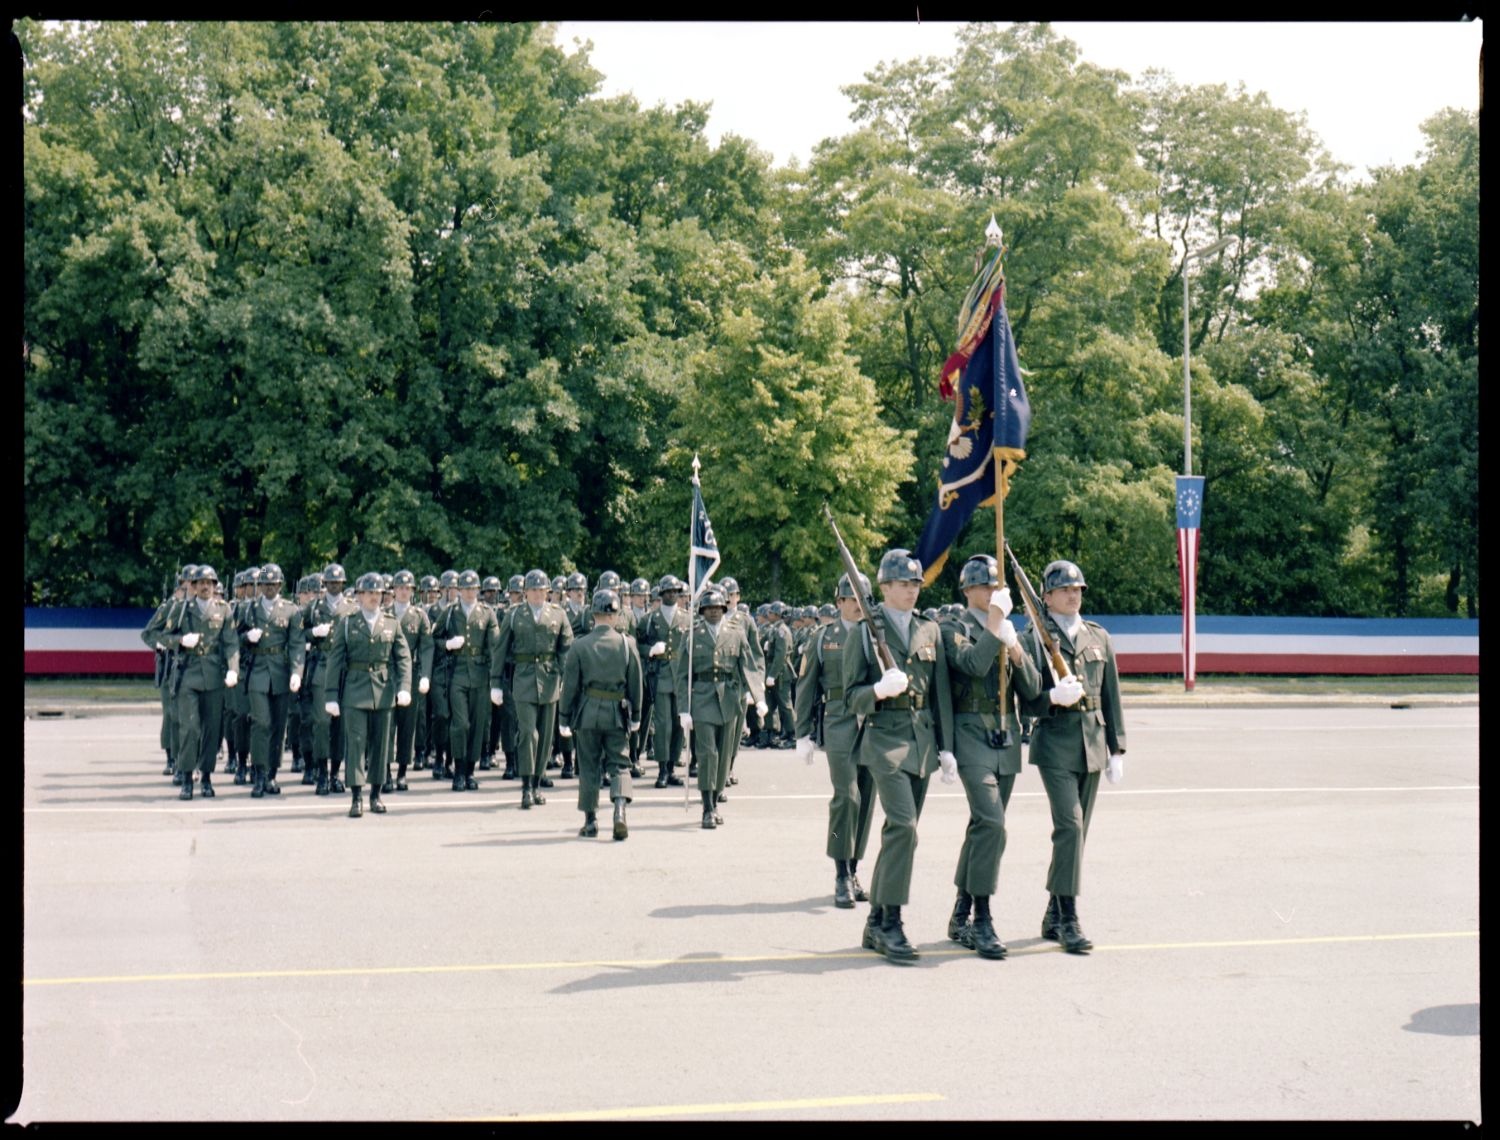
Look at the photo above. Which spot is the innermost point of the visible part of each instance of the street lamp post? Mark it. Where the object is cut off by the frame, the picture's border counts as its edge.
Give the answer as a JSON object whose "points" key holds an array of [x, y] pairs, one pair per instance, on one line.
{"points": [[1189, 489]]}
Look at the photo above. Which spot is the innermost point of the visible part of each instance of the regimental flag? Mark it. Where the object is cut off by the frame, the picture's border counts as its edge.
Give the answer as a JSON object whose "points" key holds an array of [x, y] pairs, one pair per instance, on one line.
{"points": [[703, 553], [991, 416], [1189, 518]]}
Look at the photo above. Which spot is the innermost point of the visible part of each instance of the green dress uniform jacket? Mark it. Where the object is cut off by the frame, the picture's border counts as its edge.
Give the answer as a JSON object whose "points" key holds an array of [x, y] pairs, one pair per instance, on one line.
{"points": [[907, 731], [823, 715], [603, 687], [367, 666], [417, 627], [1082, 737], [202, 667], [282, 647], [711, 676], [974, 677], [535, 648]]}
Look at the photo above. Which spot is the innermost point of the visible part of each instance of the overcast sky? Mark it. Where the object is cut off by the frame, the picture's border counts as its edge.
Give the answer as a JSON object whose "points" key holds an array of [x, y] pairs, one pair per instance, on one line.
{"points": [[1365, 87]]}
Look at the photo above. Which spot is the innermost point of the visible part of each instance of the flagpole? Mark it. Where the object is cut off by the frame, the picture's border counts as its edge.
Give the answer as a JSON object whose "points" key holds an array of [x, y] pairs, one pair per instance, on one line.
{"points": [[994, 236]]}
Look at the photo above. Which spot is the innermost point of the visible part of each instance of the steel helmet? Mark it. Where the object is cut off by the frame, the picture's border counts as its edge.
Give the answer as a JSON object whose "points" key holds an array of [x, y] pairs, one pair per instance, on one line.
{"points": [[828, 609], [537, 580], [671, 582], [640, 588], [712, 596], [369, 583], [204, 573], [899, 566], [979, 570], [468, 580], [515, 584], [606, 602], [403, 578], [428, 583], [844, 590], [1062, 573], [490, 583], [609, 580], [729, 586], [333, 573], [575, 581]]}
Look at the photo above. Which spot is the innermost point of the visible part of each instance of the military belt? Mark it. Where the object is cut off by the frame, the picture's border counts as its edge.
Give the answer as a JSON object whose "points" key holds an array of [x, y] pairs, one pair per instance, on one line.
{"points": [[835, 694], [904, 701], [534, 658], [475, 656], [269, 651], [975, 704], [604, 694], [367, 666], [717, 675]]}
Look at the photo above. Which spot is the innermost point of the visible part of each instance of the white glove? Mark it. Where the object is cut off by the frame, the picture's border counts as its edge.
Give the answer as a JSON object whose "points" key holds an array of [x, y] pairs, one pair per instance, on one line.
{"points": [[749, 699], [1007, 635], [635, 726], [891, 684], [189, 640], [294, 682], [806, 749], [159, 645], [1000, 600], [1114, 771], [770, 682], [1066, 692], [253, 635], [564, 731], [455, 642], [331, 708], [686, 721], [658, 649], [231, 679], [761, 708], [497, 696], [403, 698], [321, 630], [949, 763], [423, 684]]}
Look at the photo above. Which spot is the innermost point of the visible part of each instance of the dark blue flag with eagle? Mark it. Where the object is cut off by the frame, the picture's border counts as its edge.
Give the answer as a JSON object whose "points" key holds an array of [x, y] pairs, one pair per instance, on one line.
{"points": [[991, 416]]}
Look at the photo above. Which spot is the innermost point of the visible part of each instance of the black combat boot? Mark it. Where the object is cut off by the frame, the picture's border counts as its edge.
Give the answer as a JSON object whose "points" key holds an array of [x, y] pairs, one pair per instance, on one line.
{"points": [[171, 768], [334, 783], [893, 937], [241, 772], [873, 922], [387, 787], [322, 788], [708, 811], [356, 804], [537, 783], [296, 763], [843, 898], [258, 791], [960, 917], [590, 826], [673, 780], [486, 762], [187, 787], [526, 794], [310, 773], [233, 767], [510, 769], [661, 775], [1069, 933], [208, 787], [458, 778], [621, 830], [376, 805], [692, 768], [437, 767], [979, 936], [272, 788], [1050, 919]]}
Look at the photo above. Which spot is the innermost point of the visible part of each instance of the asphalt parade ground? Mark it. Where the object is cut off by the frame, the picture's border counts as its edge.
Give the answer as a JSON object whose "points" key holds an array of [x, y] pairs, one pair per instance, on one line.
{"points": [[1284, 904]]}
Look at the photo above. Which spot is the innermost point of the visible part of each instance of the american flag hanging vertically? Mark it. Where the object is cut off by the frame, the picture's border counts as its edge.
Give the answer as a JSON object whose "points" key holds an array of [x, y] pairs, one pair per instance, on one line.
{"points": [[1189, 518]]}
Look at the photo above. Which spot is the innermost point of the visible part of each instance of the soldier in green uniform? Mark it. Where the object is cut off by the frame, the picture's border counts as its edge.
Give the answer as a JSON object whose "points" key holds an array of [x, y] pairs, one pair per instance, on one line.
{"points": [[989, 753], [713, 669], [317, 626], [236, 701], [661, 638], [308, 590], [442, 675], [417, 630], [163, 675], [368, 672], [273, 640], [907, 734], [427, 594], [600, 708], [825, 721], [1080, 732], [575, 605], [492, 594], [200, 633], [533, 643], [515, 591], [734, 613], [470, 632], [637, 599], [780, 726]]}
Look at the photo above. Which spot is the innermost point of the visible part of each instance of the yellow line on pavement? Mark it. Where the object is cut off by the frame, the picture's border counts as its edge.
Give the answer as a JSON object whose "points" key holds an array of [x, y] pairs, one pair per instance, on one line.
{"points": [[726, 960], [712, 1109]]}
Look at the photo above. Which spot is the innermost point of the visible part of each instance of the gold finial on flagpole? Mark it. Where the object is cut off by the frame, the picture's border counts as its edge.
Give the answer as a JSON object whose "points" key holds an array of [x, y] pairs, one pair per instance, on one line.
{"points": [[993, 234], [696, 465]]}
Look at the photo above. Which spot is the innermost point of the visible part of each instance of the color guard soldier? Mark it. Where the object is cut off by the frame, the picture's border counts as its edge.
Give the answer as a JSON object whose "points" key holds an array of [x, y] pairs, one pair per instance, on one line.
{"points": [[535, 640], [317, 625], [271, 633], [989, 752], [734, 613], [825, 721], [908, 733], [368, 673], [470, 633], [442, 675], [713, 669], [163, 675], [661, 638], [201, 636], [600, 707], [417, 630], [1080, 732]]}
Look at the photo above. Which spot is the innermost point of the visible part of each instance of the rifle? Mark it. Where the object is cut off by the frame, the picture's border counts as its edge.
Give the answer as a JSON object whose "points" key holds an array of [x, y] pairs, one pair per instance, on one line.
{"points": [[1033, 606], [866, 603]]}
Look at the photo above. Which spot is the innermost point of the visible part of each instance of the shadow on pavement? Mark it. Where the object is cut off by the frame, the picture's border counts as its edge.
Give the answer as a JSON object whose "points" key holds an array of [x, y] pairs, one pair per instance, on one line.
{"points": [[1446, 1020]]}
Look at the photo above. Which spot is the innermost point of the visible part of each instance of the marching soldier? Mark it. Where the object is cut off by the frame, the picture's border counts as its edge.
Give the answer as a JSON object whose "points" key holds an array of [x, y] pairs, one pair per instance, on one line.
{"points": [[490, 593], [638, 598], [427, 593], [989, 752], [201, 636], [714, 668], [369, 670], [600, 707], [470, 632], [1080, 731], [308, 591], [271, 626], [163, 675], [779, 680], [825, 721], [908, 732], [317, 625], [418, 633], [575, 590], [515, 592], [660, 639], [237, 700], [535, 639], [734, 614], [442, 674]]}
